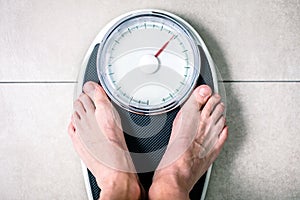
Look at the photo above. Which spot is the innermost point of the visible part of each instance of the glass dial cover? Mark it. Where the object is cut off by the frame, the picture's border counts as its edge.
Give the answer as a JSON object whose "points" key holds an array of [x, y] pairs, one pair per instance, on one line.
{"points": [[148, 62]]}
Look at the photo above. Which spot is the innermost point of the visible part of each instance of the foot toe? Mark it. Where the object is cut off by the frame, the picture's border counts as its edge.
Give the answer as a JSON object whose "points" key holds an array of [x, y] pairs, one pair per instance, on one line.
{"points": [[218, 112], [71, 129], [220, 124], [78, 107], [75, 119], [221, 141], [212, 102], [95, 92], [87, 102], [202, 93], [100, 97], [89, 89]]}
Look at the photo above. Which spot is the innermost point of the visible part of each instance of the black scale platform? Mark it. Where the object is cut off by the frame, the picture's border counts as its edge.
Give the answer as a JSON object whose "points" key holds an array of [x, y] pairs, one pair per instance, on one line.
{"points": [[153, 143]]}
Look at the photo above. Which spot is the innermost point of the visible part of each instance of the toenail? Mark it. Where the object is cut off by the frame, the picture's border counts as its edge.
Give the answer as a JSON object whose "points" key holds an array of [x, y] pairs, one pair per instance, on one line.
{"points": [[203, 92], [89, 86]]}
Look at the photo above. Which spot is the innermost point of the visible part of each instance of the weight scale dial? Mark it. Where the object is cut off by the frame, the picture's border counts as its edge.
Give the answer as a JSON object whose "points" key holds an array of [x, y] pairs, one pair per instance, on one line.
{"points": [[148, 62]]}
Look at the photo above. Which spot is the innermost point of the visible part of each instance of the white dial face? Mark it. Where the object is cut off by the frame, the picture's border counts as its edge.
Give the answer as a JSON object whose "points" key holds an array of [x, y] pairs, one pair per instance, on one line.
{"points": [[148, 64]]}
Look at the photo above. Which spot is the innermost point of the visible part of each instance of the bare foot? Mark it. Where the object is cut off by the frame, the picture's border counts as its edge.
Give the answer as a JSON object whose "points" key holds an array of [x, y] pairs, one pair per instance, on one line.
{"points": [[97, 136], [197, 137]]}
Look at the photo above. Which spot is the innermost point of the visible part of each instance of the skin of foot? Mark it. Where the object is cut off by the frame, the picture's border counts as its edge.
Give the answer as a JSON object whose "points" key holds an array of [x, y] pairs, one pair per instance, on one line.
{"points": [[199, 129], [95, 119]]}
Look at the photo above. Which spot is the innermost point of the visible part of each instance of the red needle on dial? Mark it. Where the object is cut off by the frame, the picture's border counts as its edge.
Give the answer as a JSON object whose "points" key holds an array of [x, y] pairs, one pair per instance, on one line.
{"points": [[163, 47]]}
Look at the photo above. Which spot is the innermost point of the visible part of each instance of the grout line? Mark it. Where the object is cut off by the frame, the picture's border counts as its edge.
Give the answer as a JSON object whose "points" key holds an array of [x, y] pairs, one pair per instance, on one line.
{"points": [[35, 82], [260, 81]]}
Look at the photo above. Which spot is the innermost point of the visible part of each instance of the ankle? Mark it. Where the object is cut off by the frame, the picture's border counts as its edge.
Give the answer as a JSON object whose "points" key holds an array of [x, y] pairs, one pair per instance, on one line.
{"points": [[131, 193], [168, 188], [125, 187]]}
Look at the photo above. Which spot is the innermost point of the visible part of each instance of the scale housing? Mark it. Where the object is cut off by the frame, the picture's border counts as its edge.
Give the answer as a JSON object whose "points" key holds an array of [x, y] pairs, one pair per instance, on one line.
{"points": [[88, 72]]}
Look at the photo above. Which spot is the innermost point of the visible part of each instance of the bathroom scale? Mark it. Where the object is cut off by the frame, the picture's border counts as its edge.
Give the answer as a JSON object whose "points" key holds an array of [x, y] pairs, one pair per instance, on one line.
{"points": [[148, 62]]}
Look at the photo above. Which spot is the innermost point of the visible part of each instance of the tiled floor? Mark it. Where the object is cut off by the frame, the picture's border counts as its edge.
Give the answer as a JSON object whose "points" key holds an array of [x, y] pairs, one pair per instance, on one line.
{"points": [[256, 45]]}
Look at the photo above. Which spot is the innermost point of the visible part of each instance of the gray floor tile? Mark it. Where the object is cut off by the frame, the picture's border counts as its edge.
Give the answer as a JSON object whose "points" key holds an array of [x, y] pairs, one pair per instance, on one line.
{"points": [[261, 159], [47, 40], [37, 158]]}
